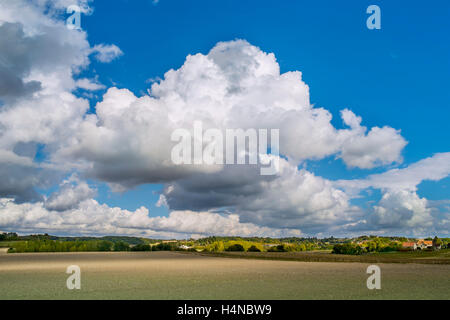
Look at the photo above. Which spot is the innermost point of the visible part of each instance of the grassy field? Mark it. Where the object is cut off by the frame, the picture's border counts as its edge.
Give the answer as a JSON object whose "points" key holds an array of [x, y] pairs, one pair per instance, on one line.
{"points": [[421, 257], [171, 275], [7, 244]]}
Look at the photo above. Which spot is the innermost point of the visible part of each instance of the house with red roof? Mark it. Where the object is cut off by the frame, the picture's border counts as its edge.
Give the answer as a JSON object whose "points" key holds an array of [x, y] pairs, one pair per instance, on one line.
{"points": [[424, 244], [409, 246]]}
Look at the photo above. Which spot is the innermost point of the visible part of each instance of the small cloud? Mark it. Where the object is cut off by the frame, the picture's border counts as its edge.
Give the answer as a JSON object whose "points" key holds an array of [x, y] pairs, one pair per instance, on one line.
{"points": [[162, 202], [106, 53], [153, 80], [89, 84]]}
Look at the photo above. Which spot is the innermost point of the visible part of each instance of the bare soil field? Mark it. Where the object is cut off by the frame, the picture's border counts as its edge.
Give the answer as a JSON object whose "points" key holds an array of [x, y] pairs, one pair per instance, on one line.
{"points": [[171, 275]]}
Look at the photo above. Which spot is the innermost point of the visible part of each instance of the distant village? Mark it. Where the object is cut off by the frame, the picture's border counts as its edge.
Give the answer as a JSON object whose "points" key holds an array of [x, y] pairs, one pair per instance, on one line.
{"points": [[422, 245]]}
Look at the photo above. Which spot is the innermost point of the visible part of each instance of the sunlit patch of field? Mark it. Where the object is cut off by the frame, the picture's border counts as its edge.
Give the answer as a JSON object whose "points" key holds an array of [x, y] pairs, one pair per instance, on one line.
{"points": [[171, 275]]}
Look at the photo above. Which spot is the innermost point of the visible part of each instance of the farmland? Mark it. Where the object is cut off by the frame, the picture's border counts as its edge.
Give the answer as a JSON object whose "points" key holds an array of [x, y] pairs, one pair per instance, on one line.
{"points": [[173, 275]]}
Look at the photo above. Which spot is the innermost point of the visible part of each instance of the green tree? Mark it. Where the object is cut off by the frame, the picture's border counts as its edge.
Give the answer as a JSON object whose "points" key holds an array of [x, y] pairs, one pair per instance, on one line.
{"points": [[253, 249], [235, 247], [216, 246], [347, 248], [121, 246], [141, 247], [278, 248], [105, 245], [437, 242]]}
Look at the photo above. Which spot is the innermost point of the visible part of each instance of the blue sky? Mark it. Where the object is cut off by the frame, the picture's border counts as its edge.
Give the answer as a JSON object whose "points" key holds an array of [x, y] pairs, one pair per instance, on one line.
{"points": [[86, 117], [396, 76]]}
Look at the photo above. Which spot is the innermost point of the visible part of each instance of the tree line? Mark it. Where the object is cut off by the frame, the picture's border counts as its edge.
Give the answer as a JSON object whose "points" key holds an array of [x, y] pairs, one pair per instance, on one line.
{"points": [[86, 246]]}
